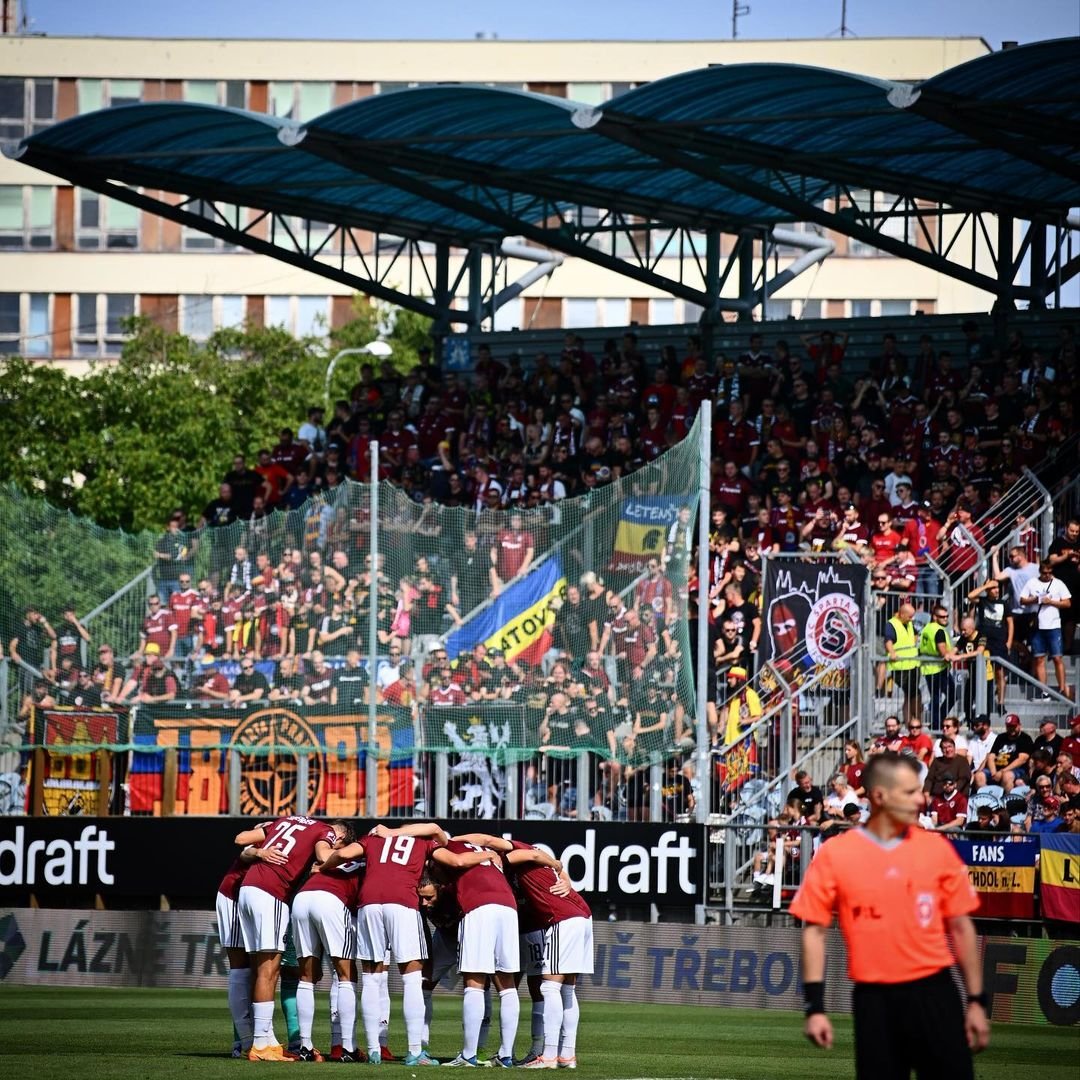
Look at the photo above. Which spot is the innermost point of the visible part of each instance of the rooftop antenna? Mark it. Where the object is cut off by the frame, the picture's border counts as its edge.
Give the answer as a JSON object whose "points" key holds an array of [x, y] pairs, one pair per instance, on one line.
{"points": [[844, 30], [737, 11]]}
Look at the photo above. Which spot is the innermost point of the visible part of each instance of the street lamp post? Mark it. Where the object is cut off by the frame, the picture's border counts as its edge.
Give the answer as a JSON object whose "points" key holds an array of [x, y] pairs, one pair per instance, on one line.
{"points": [[374, 348]]}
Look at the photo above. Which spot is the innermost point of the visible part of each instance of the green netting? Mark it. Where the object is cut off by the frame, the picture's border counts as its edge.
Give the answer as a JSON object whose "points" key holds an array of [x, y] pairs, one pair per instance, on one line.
{"points": [[519, 599]]}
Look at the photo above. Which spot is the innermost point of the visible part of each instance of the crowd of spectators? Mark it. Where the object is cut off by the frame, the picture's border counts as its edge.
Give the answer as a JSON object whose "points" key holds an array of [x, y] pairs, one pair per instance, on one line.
{"points": [[897, 458]]}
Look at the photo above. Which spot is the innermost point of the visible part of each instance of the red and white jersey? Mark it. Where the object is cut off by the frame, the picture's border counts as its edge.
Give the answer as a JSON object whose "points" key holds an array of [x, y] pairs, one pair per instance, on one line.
{"points": [[483, 884], [295, 837], [394, 866], [447, 695], [158, 629], [342, 881], [854, 535], [510, 550], [180, 604], [541, 907], [234, 878]]}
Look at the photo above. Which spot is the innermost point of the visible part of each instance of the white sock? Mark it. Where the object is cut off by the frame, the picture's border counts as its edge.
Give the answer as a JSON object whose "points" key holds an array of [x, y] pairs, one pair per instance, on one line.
{"points": [[570, 1017], [305, 1011], [370, 1009], [537, 1027], [346, 1001], [553, 1016], [413, 1005], [429, 1011], [335, 1020], [485, 1024], [384, 1008], [262, 1013], [509, 1013], [240, 1004], [472, 1012]]}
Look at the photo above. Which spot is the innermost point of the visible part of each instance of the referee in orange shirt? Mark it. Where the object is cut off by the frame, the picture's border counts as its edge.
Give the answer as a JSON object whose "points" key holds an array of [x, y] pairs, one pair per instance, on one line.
{"points": [[900, 891]]}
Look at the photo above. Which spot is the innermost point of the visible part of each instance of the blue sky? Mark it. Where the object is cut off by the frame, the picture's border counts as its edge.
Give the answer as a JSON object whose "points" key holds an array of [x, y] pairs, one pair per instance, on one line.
{"points": [[994, 20]]}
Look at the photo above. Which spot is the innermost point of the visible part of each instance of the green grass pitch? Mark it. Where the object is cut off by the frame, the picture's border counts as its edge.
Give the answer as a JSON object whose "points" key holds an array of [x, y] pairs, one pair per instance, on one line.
{"points": [[149, 1034]]}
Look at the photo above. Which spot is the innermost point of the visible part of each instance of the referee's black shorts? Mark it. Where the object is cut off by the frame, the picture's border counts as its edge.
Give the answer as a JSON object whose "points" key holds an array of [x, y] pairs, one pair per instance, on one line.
{"points": [[913, 1025]]}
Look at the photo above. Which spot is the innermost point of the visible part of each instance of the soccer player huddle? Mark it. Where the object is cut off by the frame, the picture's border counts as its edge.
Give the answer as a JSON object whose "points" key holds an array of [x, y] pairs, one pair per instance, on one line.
{"points": [[495, 908]]}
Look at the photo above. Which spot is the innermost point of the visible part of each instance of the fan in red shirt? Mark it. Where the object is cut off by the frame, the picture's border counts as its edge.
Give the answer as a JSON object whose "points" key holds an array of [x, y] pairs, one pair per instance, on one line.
{"points": [[511, 554], [263, 909], [556, 932], [884, 540], [389, 921]]}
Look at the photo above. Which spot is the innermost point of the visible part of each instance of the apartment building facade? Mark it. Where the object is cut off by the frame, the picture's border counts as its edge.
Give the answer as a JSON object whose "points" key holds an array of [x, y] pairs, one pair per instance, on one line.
{"points": [[74, 264]]}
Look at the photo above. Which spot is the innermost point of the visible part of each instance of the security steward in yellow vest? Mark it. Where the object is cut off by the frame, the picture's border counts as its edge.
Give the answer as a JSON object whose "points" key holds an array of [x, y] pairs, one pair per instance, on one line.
{"points": [[903, 663], [935, 647]]}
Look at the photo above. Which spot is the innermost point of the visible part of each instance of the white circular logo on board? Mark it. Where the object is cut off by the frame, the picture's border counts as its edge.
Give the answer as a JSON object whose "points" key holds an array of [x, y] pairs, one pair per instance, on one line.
{"points": [[832, 629]]}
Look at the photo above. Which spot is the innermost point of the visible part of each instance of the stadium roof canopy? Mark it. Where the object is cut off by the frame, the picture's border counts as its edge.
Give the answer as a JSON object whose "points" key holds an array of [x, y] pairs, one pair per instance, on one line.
{"points": [[737, 148]]}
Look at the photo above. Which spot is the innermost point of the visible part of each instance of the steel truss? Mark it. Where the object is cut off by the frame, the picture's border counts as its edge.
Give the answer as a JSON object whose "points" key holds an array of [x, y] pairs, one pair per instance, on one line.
{"points": [[675, 249]]}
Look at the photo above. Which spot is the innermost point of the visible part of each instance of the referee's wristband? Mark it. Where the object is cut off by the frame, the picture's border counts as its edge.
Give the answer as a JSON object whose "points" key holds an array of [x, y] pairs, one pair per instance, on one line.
{"points": [[813, 998], [979, 999]]}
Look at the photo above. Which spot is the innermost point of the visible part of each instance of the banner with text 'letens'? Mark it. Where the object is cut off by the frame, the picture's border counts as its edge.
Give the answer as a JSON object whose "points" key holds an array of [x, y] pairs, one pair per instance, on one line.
{"points": [[519, 620], [644, 523]]}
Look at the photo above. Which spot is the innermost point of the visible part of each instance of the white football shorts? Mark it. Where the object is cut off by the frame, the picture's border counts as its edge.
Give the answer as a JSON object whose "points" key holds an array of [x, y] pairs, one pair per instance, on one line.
{"points": [[385, 929], [488, 941], [323, 926], [263, 920]]}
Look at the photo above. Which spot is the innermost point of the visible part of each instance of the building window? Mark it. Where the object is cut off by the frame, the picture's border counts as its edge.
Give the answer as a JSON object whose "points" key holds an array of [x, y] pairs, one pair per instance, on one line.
{"points": [[106, 223], [231, 311], [26, 106], [588, 93], [300, 101], [197, 316], [96, 94], [895, 227], [614, 312], [777, 310], [896, 307], [26, 216], [24, 324], [662, 313], [811, 309], [579, 314], [9, 323], [230, 92], [191, 239], [691, 312], [860, 309], [98, 321], [311, 320], [508, 317]]}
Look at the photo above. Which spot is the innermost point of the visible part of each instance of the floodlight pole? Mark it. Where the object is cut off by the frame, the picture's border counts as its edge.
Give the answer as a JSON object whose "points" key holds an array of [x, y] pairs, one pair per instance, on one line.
{"points": [[704, 515], [371, 770]]}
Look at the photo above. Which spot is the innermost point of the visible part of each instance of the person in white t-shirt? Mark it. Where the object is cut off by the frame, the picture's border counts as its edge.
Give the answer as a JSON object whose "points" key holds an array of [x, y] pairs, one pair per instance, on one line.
{"points": [[979, 743], [1048, 595], [950, 727]]}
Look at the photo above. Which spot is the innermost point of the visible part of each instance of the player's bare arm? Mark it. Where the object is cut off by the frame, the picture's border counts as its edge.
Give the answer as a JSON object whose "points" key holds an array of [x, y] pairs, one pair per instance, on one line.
{"points": [[464, 859], [424, 830], [496, 843], [535, 856]]}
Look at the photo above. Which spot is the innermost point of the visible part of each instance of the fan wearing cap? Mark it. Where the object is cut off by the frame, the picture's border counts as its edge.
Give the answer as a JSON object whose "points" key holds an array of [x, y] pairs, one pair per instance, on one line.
{"points": [[1006, 763], [1071, 743], [949, 810], [157, 684], [743, 706]]}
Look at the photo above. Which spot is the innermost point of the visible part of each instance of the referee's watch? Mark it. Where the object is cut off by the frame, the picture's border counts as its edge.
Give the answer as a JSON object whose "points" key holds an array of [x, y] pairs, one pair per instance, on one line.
{"points": [[979, 999]]}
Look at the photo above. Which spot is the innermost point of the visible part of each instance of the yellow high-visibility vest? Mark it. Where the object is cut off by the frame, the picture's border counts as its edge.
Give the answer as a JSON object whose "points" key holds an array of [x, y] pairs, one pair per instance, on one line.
{"points": [[907, 650], [930, 659]]}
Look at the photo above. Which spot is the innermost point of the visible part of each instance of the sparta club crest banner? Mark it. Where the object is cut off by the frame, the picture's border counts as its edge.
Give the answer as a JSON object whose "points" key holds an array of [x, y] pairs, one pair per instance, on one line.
{"points": [[816, 601]]}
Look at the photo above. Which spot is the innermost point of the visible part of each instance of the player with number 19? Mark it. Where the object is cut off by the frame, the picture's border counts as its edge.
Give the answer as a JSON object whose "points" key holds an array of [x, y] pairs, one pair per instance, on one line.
{"points": [[388, 920]]}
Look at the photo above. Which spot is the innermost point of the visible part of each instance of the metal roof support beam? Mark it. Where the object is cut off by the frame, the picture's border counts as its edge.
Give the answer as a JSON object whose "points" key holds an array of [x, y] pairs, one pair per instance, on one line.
{"points": [[1040, 281], [1004, 302], [713, 284], [244, 239], [709, 169], [492, 214], [746, 271]]}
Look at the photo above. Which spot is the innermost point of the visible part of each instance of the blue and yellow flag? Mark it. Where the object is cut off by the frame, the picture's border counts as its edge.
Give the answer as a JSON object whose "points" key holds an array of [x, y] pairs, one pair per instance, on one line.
{"points": [[643, 528], [519, 620], [1059, 868]]}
